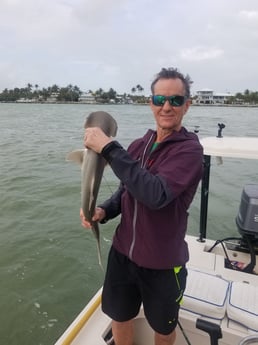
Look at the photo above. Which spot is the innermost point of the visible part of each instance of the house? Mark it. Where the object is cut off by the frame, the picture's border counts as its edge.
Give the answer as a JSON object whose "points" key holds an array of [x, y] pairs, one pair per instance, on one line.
{"points": [[208, 96], [87, 97], [53, 97]]}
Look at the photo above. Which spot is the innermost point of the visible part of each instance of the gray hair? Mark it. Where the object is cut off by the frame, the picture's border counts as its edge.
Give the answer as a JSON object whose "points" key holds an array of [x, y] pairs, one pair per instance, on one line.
{"points": [[173, 73]]}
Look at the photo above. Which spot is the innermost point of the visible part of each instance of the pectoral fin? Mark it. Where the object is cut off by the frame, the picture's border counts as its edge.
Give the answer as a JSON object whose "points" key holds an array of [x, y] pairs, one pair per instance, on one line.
{"points": [[76, 156]]}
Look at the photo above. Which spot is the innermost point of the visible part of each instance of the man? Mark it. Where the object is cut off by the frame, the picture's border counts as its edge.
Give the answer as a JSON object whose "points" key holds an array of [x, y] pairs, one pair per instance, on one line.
{"points": [[159, 175]]}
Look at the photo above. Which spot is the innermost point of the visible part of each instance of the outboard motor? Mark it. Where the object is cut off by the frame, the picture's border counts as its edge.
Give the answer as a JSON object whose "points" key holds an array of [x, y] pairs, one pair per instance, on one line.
{"points": [[247, 218], [247, 223]]}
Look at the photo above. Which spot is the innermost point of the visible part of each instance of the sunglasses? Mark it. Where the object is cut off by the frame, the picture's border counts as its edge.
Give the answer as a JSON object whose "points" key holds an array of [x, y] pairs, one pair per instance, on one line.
{"points": [[175, 100]]}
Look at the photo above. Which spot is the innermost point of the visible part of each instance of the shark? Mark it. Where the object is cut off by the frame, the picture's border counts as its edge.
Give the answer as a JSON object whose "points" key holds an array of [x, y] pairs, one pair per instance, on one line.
{"points": [[92, 168]]}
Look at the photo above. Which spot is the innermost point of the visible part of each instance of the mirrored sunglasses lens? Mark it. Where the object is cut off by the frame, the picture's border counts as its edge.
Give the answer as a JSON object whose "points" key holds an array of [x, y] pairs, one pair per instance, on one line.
{"points": [[158, 100], [177, 101]]}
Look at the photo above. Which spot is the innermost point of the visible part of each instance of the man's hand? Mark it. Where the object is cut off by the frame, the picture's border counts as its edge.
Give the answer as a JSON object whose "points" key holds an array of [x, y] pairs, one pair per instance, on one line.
{"points": [[95, 139], [98, 216]]}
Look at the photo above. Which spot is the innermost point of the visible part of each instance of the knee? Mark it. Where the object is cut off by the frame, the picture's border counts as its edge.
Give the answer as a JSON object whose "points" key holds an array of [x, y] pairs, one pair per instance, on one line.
{"points": [[162, 339]]}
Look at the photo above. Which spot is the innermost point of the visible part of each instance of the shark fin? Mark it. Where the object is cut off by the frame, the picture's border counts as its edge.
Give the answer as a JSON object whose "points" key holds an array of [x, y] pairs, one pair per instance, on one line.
{"points": [[76, 156]]}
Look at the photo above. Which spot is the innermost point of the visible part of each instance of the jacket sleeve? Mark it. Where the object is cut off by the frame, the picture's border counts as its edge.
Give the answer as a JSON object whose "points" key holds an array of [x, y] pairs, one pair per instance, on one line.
{"points": [[147, 188], [112, 206]]}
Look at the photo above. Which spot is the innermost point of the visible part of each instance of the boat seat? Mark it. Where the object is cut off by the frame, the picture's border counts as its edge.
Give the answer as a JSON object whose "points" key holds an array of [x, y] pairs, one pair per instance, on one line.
{"points": [[243, 304], [205, 294]]}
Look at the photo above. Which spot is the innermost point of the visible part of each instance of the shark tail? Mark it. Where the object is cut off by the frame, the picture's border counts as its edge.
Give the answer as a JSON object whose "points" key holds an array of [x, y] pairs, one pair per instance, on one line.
{"points": [[99, 256], [95, 229]]}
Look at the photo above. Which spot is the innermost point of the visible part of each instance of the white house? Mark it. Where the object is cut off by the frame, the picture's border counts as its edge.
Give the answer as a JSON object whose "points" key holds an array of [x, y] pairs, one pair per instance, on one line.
{"points": [[207, 96], [87, 97], [53, 97]]}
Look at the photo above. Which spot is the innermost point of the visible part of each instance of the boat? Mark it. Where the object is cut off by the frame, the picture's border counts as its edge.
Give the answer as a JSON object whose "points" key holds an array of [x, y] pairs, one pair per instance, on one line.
{"points": [[220, 304]]}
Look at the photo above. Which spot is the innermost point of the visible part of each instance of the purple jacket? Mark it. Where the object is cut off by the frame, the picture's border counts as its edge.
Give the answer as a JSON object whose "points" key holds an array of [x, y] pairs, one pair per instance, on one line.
{"points": [[153, 198]]}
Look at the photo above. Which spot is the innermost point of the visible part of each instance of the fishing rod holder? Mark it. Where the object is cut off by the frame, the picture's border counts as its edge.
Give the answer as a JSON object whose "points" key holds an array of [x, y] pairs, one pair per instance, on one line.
{"points": [[221, 127], [212, 329]]}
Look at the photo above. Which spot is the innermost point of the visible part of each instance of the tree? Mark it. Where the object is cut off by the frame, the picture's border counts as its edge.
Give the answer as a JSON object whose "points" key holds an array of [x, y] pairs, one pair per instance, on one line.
{"points": [[69, 94], [111, 94], [45, 93], [54, 88], [139, 88], [29, 86], [99, 92]]}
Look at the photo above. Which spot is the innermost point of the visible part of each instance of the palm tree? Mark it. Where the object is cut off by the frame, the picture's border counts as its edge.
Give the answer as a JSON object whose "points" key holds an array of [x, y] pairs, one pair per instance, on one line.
{"points": [[29, 86], [139, 88], [111, 93], [55, 88], [99, 92], [28, 90]]}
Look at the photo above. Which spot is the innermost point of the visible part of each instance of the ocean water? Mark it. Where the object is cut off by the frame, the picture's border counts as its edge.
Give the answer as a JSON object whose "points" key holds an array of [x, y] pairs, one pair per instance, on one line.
{"points": [[48, 263]]}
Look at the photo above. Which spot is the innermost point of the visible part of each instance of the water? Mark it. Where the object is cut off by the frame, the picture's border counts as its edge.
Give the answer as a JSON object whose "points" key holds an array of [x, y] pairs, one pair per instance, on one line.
{"points": [[48, 262]]}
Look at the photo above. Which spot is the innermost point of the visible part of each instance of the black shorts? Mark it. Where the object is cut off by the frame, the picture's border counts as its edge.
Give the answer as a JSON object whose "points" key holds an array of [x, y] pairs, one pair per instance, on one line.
{"points": [[127, 285]]}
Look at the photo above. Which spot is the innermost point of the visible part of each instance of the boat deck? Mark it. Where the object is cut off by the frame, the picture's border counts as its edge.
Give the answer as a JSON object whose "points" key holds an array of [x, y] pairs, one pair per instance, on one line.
{"points": [[216, 283]]}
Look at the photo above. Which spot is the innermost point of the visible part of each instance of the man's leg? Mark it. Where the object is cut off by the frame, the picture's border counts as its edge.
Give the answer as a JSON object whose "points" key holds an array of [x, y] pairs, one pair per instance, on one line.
{"points": [[162, 291], [161, 339], [123, 332]]}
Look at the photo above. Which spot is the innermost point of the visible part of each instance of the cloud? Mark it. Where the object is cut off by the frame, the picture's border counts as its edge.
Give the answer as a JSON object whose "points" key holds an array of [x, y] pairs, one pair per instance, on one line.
{"points": [[249, 15], [119, 43], [200, 53]]}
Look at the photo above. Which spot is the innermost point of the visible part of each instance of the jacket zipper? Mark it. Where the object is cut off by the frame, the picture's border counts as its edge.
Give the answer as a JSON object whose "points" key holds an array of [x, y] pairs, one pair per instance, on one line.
{"points": [[134, 230], [135, 212]]}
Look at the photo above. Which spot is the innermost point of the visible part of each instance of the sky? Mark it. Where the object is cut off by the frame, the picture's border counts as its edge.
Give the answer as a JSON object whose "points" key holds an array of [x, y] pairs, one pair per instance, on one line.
{"points": [[122, 43]]}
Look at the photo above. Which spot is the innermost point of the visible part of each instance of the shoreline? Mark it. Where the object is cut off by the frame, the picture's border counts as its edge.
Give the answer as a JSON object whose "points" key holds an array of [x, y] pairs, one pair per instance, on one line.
{"points": [[96, 103]]}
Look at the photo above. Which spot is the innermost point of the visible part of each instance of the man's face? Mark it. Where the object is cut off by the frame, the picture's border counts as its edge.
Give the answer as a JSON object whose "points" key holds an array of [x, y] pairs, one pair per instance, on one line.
{"points": [[168, 117]]}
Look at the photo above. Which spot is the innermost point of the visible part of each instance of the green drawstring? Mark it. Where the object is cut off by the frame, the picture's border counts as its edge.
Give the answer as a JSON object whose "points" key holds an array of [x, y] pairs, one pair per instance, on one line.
{"points": [[177, 269], [179, 299]]}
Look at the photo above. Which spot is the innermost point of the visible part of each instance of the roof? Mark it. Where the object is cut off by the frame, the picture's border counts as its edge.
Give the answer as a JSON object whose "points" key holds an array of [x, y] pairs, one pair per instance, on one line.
{"points": [[235, 147], [225, 94]]}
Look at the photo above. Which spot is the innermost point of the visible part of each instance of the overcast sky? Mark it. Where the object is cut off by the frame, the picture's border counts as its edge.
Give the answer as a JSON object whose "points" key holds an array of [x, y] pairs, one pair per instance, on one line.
{"points": [[122, 43]]}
